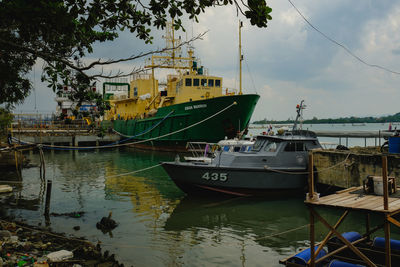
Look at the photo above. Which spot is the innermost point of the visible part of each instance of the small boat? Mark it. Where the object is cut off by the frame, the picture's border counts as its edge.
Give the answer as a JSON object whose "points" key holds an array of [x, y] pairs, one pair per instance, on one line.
{"points": [[274, 163]]}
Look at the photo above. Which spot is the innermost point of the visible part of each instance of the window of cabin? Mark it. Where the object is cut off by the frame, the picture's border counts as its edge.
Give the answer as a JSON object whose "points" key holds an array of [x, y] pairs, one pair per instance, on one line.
{"points": [[210, 82], [300, 146], [271, 146], [258, 144], [291, 146], [203, 82], [135, 91], [295, 146], [196, 82], [188, 82], [217, 83]]}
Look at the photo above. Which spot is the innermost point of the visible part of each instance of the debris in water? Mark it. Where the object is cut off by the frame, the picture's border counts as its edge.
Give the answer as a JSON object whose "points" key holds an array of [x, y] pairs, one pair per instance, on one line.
{"points": [[106, 224]]}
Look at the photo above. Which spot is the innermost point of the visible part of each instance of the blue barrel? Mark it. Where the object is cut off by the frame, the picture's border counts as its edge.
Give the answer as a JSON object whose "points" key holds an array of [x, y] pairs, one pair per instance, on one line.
{"points": [[350, 236], [394, 144], [379, 242], [304, 256], [337, 263]]}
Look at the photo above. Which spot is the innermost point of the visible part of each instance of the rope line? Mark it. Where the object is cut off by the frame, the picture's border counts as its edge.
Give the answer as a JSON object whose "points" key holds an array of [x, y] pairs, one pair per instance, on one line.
{"points": [[281, 233], [127, 173], [317, 171], [341, 45], [145, 131], [132, 143]]}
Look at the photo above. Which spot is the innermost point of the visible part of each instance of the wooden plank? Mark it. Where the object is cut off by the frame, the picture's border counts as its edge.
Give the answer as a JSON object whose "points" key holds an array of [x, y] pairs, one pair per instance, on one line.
{"points": [[377, 205], [329, 197], [374, 203], [394, 207], [350, 189], [362, 200], [393, 203], [356, 199], [335, 202]]}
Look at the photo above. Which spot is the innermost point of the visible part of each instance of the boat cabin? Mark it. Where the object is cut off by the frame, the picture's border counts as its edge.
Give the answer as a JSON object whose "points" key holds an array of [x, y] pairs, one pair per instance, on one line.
{"points": [[278, 151]]}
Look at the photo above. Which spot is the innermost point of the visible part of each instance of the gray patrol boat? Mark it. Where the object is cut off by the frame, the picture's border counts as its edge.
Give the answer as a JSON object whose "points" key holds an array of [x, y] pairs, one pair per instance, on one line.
{"points": [[275, 163]]}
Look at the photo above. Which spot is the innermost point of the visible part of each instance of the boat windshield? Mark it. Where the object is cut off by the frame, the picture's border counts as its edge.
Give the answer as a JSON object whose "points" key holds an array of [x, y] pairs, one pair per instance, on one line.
{"points": [[258, 144], [271, 146]]}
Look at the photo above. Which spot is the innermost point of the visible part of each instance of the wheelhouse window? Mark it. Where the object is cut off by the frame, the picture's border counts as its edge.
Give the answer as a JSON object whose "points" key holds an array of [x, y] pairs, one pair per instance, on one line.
{"points": [[203, 82], [295, 146], [188, 82], [217, 83], [271, 146], [210, 82], [196, 82], [258, 145], [300, 146]]}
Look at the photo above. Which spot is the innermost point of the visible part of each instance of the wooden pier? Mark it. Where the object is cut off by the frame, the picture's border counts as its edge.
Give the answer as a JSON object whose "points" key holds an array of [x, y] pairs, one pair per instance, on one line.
{"points": [[351, 200]]}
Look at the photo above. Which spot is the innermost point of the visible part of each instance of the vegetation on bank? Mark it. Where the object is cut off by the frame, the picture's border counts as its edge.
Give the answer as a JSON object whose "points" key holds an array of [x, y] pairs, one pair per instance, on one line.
{"points": [[5, 121], [383, 119]]}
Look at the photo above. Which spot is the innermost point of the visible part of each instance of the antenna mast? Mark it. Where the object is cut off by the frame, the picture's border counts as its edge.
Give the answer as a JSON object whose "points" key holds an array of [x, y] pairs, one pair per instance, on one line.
{"points": [[240, 57]]}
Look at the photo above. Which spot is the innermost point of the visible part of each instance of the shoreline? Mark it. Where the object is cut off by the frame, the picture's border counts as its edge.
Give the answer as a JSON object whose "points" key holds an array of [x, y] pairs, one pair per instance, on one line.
{"points": [[22, 244]]}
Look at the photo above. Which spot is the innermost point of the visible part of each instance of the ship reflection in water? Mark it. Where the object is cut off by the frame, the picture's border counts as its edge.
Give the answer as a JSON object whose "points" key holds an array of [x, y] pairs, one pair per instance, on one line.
{"points": [[158, 225]]}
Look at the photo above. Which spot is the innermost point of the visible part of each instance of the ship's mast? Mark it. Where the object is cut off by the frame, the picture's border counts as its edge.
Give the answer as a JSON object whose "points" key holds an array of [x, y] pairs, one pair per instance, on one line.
{"points": [[169, 60], [240, 57], [299, 117]]}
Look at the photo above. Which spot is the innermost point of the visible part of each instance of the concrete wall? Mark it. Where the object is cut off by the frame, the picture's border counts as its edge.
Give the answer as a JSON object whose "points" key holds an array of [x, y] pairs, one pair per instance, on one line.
{"points": [[352, 167], [69, 140]]}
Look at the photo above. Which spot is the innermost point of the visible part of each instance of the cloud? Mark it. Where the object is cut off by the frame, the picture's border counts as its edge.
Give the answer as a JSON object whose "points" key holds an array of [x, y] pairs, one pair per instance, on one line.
{"points": [[289, 61]]}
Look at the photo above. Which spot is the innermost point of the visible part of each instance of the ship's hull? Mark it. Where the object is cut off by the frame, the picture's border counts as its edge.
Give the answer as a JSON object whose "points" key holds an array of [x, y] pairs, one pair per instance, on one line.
{"points": [[207, 178], [209, 120]]}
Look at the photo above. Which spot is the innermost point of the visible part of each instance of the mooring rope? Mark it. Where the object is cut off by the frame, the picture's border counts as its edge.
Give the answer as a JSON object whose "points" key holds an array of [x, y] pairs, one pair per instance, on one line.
{"points": [[282, 233], [132, 172], [315, 171], [132, 143], [145, 131]]}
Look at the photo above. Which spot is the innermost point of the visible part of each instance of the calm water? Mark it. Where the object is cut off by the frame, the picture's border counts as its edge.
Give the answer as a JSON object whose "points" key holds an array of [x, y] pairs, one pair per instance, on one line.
{"points": [[158, 224]]}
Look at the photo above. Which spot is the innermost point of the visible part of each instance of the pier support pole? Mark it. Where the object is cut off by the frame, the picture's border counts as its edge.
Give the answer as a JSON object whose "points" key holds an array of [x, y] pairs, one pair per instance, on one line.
{"points": [[385, 183], [312, 238], [48, 197], [388, 255], [386, 207], [310, 175]]}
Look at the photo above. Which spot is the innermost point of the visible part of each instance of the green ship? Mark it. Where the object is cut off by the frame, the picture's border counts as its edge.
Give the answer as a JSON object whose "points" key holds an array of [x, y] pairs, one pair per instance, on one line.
{"points": [[189, 106]]}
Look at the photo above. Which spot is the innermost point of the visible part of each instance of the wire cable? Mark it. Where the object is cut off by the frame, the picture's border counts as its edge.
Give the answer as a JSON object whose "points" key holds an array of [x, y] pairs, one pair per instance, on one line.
{"points": [[132, 143], [341, 45]]}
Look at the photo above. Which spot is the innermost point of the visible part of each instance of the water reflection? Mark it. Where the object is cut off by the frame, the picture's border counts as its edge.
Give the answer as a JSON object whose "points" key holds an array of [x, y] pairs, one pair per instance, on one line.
{"points": [[158, 224]]}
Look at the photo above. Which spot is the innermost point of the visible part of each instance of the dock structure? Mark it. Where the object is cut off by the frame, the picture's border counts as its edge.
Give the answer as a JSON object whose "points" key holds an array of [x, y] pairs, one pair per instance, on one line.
{"points": [[75, 140], [344, 135], [376, 135], [351, 200]]}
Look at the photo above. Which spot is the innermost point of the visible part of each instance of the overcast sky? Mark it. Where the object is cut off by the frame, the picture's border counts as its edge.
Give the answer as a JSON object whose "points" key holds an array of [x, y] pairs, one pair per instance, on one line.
{"points": [[289, 61]]}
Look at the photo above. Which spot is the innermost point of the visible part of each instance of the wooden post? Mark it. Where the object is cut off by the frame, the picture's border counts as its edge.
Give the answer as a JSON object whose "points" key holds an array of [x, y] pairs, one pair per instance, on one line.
{"points": [[388, 256], [310, 175], [312, 238], [48, 196], [385, 183], [368, 226]]}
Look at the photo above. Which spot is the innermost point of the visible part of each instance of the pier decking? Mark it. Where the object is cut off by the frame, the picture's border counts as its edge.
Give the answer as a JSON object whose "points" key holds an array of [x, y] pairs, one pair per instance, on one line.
{"points": [[354, 199]]}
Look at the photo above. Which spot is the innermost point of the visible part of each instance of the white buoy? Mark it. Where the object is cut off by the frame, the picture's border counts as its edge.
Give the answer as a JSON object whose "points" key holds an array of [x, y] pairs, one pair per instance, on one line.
{"points": [[5, 189]]}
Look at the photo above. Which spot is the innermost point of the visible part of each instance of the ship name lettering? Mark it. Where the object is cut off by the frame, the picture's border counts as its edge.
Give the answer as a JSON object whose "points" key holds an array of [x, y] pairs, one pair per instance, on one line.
{"points": [[200, 106]]}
